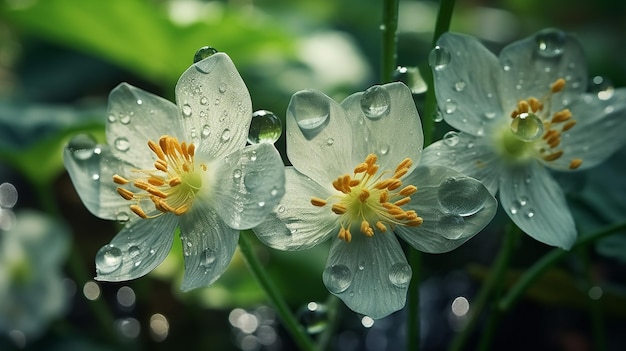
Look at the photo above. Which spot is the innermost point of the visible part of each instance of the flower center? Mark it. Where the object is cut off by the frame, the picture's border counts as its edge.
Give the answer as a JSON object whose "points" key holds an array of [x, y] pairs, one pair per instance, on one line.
{"points": [[369, 202], [536, 132], [170, 187]]}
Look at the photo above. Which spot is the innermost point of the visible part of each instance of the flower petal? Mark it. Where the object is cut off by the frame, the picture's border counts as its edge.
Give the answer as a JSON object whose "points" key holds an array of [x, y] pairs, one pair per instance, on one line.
{"points": [[598, 133], [143, 243], [395, 119], [472, 156], [535, 202], [320, 137], [134, 117], [295, 224], [468, 88], [215, 106], [92, 176], [208, 246], [454, 208], [370, 274], [249, 182]]}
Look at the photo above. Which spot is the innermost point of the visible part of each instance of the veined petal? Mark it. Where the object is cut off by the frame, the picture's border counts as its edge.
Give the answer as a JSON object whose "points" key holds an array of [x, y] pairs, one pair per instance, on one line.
{"points": [[295, 224], [215, 106], [92, 177], [134, 117], [319, 136], [208, 246], [454, 208], [535, 202], [143, 245], [369, 274], [249, 182], [392, 117], [468, 88]]}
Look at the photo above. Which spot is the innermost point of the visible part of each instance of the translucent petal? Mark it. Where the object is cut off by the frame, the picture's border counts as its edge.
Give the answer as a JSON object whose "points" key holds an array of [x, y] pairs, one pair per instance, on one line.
{"points": [[370, 275], [92, 177], [535, 202], [598, 133], [472, 156], [144, 244], [295, 224], [320, 137], [453, 206], [394, 136], [134, 117], [250, 182], [538, 61], [215, 106], [468, 88], [208, 246]]}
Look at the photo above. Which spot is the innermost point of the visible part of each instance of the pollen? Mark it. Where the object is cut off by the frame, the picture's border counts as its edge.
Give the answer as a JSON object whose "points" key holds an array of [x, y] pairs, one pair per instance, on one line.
{"points": [[171, 186]]}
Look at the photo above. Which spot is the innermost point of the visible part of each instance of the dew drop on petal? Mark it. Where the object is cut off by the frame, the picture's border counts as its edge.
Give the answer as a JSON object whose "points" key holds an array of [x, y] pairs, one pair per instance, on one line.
{"points": [[207, 258], [204, 100], [439, 58], [82, 146], [412, 78], [462, 196], [8, 195], [226, 135], [438, 116], [265, 127], [222, 87], [280, 209], [122, 217], [550, 43], [515, 207], [449, 106], [375, 102], [330, 141], [451, 138], [384, 149], [490, 115], [203, 53], [527, 127], [506, 65], [530, 213], [400, 275], [111, 118], [139, 102], [451, 226], [337, 278], [311, 111], [206, 131], [459, 86], [108, 259], [252, 180], [187, 110], [122, 144], [125, 118], [237, 174]]}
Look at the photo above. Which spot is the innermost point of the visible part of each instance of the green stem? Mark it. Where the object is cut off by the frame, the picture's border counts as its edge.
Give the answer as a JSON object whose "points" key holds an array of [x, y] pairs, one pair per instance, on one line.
{"points": [[493, 282], [300, 337], [595, 307], [333, 308], [413, 318], [444, 17], [389, 29], [534, 272]]}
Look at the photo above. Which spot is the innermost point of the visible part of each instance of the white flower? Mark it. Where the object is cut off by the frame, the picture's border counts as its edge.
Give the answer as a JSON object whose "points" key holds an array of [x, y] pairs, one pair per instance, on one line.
{"points": [[355, 179], [185, 165], [520, 115]]}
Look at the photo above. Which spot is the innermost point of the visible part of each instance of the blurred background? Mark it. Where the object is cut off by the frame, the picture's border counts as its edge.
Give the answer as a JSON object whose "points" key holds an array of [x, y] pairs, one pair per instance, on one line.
{"points": [[59, 59]]}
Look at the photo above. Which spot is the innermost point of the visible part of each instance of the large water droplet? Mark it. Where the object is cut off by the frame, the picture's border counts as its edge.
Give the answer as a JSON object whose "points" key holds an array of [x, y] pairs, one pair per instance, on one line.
{"points": [[527, 127], [313, 317], [125, 118], [203, 53], [108, 259], [550, 43], [265, 127], [375, 102], [400, 275], [207, 258], [439, 58], [122, 144], [451, 226], [462, 196], [187, 111], [337, 278], [311, 110], [82, 146], [8, 195], [451, 138], [412, 77]]}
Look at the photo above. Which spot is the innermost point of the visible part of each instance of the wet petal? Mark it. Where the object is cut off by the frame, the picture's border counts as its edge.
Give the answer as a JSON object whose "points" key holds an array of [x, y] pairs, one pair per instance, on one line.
{"points": [[141, 246], [215, 106], [388, 116], [134, 117], [249, 183], [295, 224], [468, 88], [370, 275], [454, 208], [535, 202], [208, 246]]}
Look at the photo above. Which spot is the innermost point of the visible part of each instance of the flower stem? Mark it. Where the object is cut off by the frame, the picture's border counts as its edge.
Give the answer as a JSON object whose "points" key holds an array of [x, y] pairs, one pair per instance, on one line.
{"points": [[534, 272], [595, 307], [295, 329], [389, 28], [491, 284], [413, 318]]}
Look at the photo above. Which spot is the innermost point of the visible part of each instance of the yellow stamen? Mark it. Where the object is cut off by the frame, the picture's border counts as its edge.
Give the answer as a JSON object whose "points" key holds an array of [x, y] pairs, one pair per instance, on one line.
{"points": [[138, 211], [125, 193], [381, 226], [558, 85], [553, 156], [364, 195], [402, 201], [339, 209], [535, 104], [362, 167], [567, 126], [315, 201], [156, 149], [120, 180], [561, 116], [408, 190], [575, 163]]}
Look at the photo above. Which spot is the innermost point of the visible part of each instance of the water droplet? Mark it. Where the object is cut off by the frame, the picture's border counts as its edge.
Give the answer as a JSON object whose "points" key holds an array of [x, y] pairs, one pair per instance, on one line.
{"points": [[253, 155], [459, 86], [122, 217], [523, 201], [82, 146], [226, 135], [261, 204], [515, 207], [134, 251], [451, 138], [506, 65], [527, 127], [252, 180], [451, 226], [479, 132], [187, 110], [237, 174], [400, 275], [337, 278], [203, 53], [311, 110], [361, 265], [222, 87], [111, 118], [490, 115], [412, 77], [124, 119], [122, 144], [530, 213], [108, 259], [439, 58], [449, 106], [375, 102], [462, 196], [204, 100], [206, 131], [438, 117], [550, 43], [330, 141], [384, 149], [280, 209], [139, 102], [207, 258], [313, 317], [265, 127]]}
